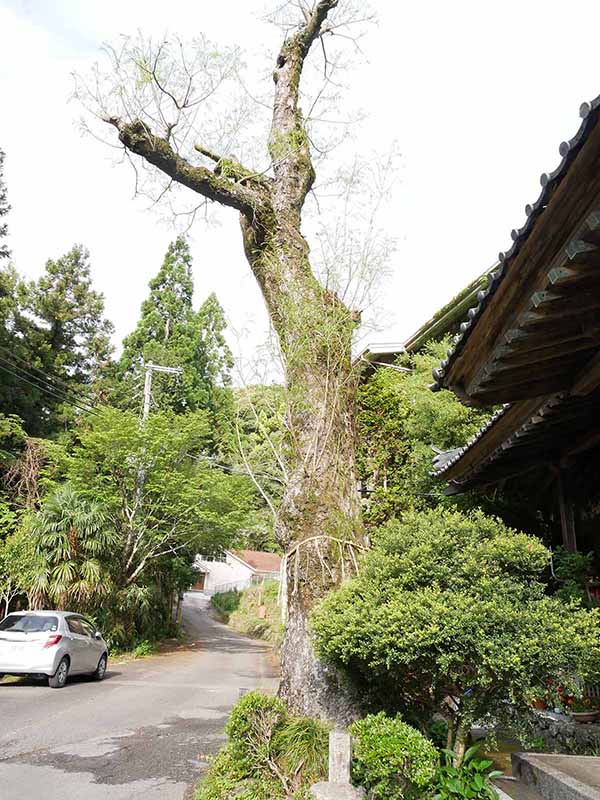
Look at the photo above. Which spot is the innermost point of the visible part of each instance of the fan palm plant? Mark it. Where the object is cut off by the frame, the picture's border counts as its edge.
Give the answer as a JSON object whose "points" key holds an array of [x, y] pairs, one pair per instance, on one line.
{"points": [[77, 545]]}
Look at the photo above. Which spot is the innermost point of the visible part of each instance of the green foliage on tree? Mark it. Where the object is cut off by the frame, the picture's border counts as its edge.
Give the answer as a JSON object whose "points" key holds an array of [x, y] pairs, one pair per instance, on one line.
{"points": [[256, 444], [12, 438], [172, 334], [454, 605], [54, 339], [18, 567], [17, 350], [73, 334], [166, 500], [399, 421]]}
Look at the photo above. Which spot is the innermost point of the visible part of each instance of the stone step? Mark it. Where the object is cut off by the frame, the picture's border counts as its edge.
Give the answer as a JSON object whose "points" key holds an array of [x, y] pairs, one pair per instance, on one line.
{"points": [[513, 789], [558, 777]]}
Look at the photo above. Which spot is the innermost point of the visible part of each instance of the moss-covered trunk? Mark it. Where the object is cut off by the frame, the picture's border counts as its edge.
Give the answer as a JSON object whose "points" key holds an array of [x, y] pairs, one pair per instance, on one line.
{"points": [[319, 521]]}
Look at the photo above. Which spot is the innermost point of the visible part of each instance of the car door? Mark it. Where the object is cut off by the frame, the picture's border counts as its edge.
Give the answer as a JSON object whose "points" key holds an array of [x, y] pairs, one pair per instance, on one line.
{"points": [[79, 643], [96, 647]]}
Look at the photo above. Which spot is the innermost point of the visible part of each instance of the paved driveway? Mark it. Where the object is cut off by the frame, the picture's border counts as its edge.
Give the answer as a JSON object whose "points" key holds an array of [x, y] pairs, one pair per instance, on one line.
{"points": [[144, 732]]}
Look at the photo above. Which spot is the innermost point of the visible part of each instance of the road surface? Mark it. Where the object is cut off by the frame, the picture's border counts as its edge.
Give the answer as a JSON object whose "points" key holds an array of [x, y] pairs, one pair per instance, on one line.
{"points": [[144, 732]]}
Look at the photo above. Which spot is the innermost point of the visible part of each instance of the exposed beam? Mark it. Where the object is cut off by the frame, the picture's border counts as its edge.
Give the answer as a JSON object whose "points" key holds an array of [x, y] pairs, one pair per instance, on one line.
{"points": [[588, 378]]}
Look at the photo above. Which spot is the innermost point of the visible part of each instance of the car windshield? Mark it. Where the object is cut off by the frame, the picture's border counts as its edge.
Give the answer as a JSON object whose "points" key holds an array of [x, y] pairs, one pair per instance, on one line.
{"points": [[28, 623]]}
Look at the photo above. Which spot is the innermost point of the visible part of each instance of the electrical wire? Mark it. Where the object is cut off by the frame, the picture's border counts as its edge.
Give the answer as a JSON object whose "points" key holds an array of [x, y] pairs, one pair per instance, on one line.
{"points": [[213, 461], [49, 378], [48, 391], [71, 396]]}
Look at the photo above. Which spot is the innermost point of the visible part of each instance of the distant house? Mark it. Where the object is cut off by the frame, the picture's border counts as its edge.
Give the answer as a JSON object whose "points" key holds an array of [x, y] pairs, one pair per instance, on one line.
{"points": [[235, 569]]}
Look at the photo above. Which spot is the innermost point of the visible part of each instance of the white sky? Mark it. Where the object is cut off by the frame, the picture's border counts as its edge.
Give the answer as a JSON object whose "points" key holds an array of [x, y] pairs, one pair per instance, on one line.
{"points": [[478, 96]]}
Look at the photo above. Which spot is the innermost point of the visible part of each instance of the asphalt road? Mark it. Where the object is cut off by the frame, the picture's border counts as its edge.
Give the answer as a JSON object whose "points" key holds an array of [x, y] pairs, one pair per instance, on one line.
{"points": [[144, 732]]}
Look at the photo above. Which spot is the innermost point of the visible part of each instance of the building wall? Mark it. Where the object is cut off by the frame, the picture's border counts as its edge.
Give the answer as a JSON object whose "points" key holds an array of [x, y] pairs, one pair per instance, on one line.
{"points": [[221, 576]]}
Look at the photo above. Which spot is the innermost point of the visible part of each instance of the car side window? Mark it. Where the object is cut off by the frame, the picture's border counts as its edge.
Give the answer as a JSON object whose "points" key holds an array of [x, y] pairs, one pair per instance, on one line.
{"points": [[75, 625], [88, 628]]}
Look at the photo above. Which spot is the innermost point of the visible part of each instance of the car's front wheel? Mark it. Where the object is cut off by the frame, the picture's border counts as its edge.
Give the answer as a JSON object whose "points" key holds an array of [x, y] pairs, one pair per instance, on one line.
{"points": [[100, 670], [58, 680]]}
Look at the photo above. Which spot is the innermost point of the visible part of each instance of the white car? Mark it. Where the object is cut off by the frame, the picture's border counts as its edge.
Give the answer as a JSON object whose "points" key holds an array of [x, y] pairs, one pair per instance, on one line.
{"points": [[55, 644]]}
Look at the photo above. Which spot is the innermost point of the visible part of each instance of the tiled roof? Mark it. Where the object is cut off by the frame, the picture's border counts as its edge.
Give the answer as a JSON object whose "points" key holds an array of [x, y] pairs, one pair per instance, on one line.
{"points": [[563, 423], [259, 561], [589, 113], [443, 461]]}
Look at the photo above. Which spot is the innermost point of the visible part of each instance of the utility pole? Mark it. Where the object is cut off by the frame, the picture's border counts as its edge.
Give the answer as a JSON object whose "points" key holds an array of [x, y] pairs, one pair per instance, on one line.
{"points": [[150, 368]]}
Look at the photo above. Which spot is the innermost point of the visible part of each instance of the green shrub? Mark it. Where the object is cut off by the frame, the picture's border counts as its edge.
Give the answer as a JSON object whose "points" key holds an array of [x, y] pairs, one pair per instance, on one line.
{"points": [[303, 744], [437, 731], [225, 603], [225, 781], [451, 604], [391, 759], [252, 725], [269, 756], [144, 648], [469, 781]]}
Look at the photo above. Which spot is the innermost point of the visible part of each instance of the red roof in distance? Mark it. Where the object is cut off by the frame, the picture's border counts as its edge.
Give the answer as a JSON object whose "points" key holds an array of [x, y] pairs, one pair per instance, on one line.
{"points": [[259, 561]]}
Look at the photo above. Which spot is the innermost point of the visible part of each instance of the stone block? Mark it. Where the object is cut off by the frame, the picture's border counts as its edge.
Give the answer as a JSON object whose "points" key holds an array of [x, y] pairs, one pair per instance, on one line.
{"points": [[340, 756], [336, 791]]}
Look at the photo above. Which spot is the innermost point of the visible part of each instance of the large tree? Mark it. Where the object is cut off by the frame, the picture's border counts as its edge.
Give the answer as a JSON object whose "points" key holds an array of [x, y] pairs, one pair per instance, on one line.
{"points": [[154, 101], [68, 336], [171, 333]]}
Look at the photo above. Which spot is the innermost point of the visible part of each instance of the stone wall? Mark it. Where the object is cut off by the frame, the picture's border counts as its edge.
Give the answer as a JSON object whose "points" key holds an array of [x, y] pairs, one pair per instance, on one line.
{"points": [[562, 734]]}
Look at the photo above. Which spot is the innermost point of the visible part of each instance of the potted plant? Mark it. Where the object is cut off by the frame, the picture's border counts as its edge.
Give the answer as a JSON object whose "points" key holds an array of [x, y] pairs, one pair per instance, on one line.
{"points": [[582, 710]]}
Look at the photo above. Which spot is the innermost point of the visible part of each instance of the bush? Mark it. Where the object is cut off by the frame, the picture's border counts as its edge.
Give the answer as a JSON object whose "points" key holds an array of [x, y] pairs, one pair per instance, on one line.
{"points": [[144, 648], [225, 603], [391, 760], [451, 604], [269, 756], [252, 725]]}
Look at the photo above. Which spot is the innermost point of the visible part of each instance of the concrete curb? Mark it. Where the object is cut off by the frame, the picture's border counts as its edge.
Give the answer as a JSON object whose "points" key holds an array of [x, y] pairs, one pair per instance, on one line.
{"points": [[551, 782]]}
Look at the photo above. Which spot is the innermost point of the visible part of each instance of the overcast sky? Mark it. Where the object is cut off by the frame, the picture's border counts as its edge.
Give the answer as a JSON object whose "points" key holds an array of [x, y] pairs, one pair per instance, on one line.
{"points": [[478, 96]]}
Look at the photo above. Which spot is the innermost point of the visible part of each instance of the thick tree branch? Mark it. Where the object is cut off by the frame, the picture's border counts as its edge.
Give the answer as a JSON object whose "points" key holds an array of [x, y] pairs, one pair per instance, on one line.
{"points": [[157, 151], [288, 143]]}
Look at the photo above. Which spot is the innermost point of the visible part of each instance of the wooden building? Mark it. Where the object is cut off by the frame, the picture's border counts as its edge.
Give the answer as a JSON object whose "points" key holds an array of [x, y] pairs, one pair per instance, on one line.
{"points": [[531, 347]]}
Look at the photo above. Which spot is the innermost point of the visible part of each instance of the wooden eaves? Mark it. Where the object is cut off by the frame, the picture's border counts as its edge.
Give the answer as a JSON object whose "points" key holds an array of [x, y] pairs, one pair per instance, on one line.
{"points": [[532, 342]]}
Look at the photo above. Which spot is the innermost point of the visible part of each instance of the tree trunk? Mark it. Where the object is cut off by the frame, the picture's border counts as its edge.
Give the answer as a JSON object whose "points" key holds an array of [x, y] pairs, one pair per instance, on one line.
{"points": [[461, 741], [319, 522]]}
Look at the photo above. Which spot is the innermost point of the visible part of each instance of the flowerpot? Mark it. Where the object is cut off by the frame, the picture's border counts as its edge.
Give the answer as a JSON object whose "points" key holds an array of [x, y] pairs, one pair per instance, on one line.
{"points": [[585, 716]]}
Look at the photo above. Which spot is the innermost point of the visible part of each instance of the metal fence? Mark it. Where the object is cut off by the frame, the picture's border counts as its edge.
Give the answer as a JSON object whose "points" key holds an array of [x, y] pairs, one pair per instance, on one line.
{"points": [[257, 580]]}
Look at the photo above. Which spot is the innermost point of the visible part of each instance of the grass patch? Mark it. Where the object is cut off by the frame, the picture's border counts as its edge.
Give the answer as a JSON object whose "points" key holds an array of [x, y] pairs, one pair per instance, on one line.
{"points": [[142, 649], [225, 603], [247, 618]]}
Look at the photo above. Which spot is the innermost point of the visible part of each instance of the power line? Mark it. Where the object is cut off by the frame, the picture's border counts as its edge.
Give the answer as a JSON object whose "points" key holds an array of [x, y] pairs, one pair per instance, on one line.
{"points": [[48, 391], [69, 396], [48, 377], [213, 461]]}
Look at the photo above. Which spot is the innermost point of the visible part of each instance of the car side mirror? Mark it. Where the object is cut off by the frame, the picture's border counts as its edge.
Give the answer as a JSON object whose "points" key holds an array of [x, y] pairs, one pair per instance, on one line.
{"points": [[97, 635]]}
